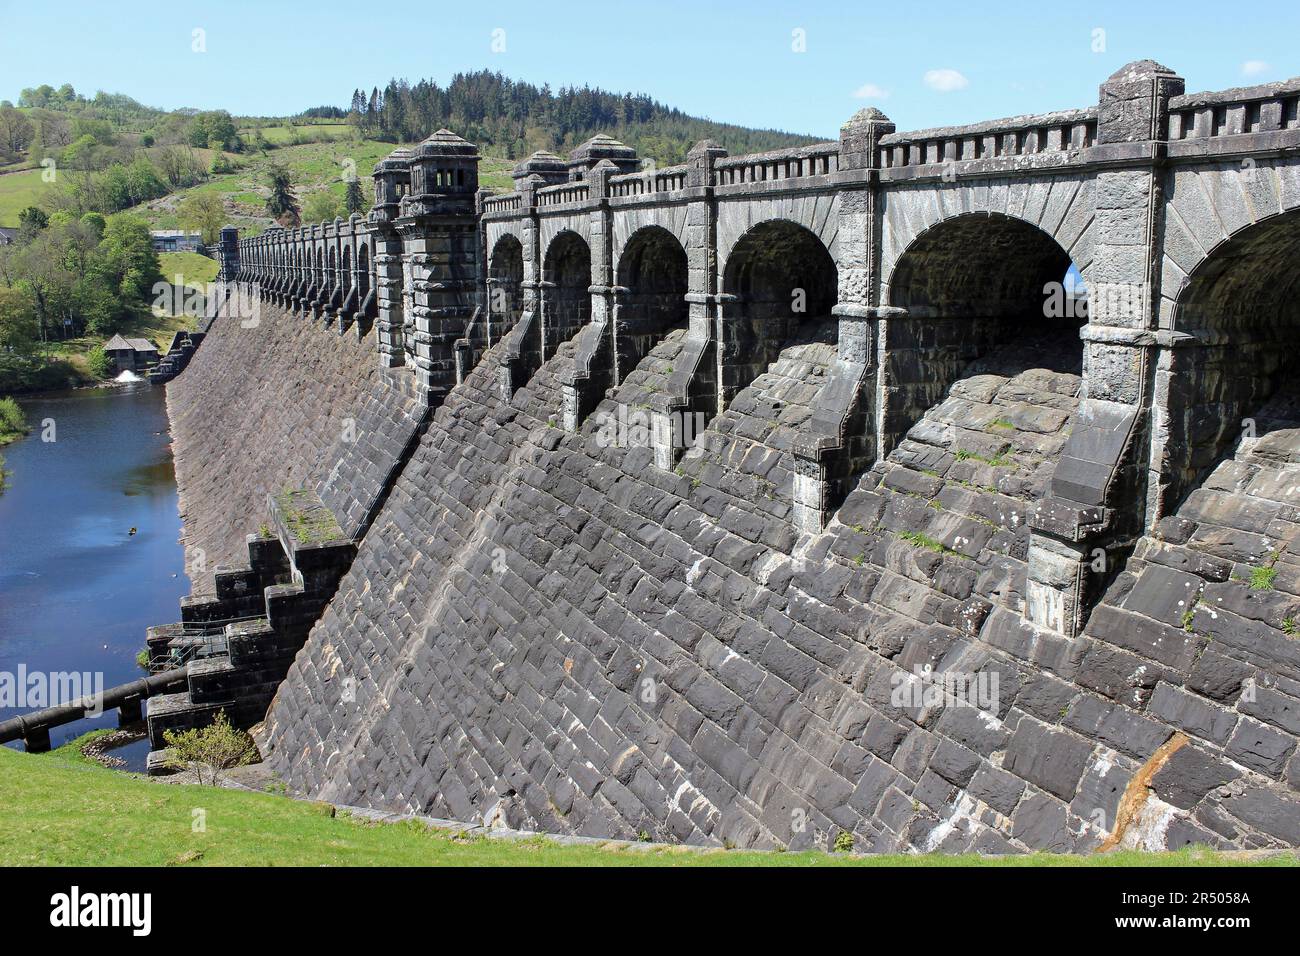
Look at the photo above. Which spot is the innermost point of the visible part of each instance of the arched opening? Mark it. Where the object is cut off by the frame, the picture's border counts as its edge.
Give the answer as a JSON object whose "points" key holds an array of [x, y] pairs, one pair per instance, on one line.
{"points": [[970, 284], [1240, 307], [406, 315], [652, 274], [566, 301], [782, 277], [347, 270], [363, 271], [505, 286]]}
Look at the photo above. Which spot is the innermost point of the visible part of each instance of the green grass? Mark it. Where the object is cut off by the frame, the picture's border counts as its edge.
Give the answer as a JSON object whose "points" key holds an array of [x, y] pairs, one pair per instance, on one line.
{"points": [[63, 810], [195, 270], [280, 135], [309, 521], [18, 191], [931, 544], [1000, 460], [1261, 579]]}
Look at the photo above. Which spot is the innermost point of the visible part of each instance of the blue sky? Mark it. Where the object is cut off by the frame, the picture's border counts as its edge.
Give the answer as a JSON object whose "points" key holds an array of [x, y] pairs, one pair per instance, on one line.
{"points": [[926, 63]]}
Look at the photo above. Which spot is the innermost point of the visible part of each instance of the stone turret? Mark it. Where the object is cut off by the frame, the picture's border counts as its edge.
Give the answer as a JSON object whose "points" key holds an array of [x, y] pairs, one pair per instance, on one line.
{"points": [[438, 224], [443, 167], [392, 177], [583, 159], [549, 167], [392, 183]]}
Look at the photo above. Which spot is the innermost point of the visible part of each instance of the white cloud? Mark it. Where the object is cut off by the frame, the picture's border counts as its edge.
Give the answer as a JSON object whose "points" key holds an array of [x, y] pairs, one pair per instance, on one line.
{"points": [[869, 91], [1254, 68], [945, 81]]}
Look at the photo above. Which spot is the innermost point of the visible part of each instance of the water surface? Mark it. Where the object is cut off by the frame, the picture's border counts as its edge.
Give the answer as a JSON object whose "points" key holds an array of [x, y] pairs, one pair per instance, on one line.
{"points": [[77, 589]]}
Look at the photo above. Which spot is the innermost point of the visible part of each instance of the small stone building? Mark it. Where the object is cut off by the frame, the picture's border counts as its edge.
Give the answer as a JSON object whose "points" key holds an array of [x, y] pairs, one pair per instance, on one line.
{"points": [[130, 355]]}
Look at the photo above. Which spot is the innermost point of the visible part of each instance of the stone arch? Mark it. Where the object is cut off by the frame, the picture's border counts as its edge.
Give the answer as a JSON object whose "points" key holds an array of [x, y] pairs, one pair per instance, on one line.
{"points": [[626, 222], [363, 270], [1063, 207], [347, 268], [1238, 321], [566, 295], [818, 213], [967, 284], [505, 285], [652, 280], [778, 276]]}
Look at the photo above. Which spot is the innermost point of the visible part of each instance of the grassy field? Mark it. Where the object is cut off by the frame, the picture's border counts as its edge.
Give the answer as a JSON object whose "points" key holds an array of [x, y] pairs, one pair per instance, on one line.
{"points": [[195, 270], [18, 191], [62, 809], [280, 135]]}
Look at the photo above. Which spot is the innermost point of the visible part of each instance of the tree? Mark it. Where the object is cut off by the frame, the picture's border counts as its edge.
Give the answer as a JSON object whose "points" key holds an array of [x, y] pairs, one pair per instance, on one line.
{"points": [[33, 219], [127, 262], [282, 204], [16, 131], [210, 750], [205, 212], [214, 130], [18, 327], [355, 199], [85, 152]]}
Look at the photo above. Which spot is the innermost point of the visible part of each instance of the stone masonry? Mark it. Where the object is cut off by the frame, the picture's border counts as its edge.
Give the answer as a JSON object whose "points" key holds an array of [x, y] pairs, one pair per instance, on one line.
{"points": [[768, 498]]}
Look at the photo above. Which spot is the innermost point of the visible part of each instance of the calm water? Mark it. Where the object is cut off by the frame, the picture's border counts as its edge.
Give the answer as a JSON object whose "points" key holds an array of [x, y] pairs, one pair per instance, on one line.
{"points": [[77, 590]]}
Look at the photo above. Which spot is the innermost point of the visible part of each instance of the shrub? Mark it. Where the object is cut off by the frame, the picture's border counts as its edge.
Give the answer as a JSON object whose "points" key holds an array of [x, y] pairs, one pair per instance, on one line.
{"points": [[12, 419], [210, 750], [97, 362]]}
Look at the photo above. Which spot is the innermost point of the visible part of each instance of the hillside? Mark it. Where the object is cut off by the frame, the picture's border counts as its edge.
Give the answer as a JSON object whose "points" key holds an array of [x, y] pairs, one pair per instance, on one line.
{"points": [[314, 167]]}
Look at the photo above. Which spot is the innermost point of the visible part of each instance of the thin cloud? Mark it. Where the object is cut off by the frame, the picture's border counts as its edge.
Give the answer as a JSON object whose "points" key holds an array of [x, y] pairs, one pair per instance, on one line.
{"points": [[1254, 68], [869, 91], [945, 80]]}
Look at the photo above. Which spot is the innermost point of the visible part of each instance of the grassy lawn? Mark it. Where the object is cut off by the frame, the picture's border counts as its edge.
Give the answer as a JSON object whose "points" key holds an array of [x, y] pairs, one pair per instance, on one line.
{"points": [[18, 191], [195, 270], [61, 809]]}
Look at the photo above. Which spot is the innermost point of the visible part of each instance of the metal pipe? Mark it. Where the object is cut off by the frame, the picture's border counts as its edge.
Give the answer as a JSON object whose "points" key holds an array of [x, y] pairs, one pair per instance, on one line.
{"points": [[18, 728]]}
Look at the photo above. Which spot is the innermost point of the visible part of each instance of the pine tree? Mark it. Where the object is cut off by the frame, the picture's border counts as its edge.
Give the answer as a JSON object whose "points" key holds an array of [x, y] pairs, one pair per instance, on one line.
{"points": [[355, 199], [282, 204]]}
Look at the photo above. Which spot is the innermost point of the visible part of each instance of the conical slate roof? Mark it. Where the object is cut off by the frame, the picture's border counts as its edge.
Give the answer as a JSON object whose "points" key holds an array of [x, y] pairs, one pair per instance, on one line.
{"points": [[399, 159], [446, 143], [602, 146], [542, 163]]}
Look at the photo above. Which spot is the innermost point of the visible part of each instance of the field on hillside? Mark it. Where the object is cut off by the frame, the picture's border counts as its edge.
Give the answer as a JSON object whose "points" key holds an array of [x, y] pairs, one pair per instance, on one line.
{"points": [[194, 269], [64, 810], [312, 166], [18, 191], [280, 135]]}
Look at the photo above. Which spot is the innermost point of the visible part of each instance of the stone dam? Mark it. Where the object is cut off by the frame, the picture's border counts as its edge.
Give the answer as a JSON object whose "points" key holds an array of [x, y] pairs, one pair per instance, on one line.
{"points": [[764, 499]]}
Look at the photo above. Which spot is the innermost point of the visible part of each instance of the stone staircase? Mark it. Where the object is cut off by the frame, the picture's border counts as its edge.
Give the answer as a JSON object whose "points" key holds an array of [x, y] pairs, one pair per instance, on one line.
{"points": [[178, 355], [239, 642]]}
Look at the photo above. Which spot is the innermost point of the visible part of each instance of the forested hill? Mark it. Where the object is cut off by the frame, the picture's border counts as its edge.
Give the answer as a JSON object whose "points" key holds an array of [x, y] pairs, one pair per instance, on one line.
{"points": [[510, 118]]}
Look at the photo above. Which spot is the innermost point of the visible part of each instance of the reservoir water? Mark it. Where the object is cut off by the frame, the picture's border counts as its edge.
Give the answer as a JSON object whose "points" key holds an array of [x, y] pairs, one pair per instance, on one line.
{"points": [[77, 588]]}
